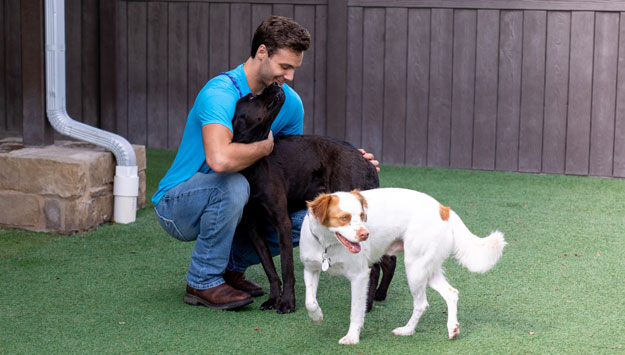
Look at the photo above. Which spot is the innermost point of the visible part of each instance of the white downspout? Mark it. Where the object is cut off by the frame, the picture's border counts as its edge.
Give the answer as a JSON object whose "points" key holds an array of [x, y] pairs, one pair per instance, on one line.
{"points": [[126, 182]]}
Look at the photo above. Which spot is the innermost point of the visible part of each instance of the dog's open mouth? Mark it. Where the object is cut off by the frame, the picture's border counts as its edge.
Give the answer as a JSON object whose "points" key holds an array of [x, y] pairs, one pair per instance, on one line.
{"points": [[352, 247]]}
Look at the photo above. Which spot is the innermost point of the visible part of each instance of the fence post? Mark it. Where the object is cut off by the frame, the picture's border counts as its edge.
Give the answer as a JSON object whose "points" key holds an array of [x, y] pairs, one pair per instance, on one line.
{"points": [[336, 83]]}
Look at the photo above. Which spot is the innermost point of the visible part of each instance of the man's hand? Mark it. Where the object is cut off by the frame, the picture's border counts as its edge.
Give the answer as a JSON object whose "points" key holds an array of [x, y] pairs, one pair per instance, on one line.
{"points": [[370, 157], [268, 143]]}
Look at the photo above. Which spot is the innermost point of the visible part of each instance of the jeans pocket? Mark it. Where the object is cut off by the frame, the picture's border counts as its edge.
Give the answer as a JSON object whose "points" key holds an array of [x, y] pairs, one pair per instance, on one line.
{"points": [[170, 227]]}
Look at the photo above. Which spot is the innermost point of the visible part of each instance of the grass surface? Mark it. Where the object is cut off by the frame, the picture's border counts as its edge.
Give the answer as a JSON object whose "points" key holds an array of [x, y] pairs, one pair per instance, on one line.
{"points": [[558, 287]]}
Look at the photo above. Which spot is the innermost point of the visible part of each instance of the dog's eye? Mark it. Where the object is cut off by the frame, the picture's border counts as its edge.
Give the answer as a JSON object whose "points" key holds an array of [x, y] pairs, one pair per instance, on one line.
{"points": [[345, 218]]}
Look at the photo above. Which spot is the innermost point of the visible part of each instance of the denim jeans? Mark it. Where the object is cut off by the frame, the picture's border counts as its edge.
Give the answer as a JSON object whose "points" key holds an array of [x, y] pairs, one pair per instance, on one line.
{"points": [[207, 208]]}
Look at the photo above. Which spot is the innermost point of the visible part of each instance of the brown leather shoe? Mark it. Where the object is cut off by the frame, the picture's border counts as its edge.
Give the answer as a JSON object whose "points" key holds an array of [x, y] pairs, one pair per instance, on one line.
{"points": [[219, 297], [237, 280]]}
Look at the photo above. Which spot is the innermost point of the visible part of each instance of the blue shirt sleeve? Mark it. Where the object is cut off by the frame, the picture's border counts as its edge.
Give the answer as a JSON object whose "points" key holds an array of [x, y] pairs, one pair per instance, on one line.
{"points": [[216, 104]]}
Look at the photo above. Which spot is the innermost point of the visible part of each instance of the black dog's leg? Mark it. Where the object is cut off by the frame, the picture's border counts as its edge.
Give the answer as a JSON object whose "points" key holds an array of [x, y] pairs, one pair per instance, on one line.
{"points": [[374, 276], [388, 263], [286, 303], [260, 246]]}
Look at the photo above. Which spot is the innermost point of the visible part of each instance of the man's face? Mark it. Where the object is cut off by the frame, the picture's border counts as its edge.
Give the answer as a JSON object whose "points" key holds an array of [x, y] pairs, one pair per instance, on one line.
{"points": [[281, 66]]}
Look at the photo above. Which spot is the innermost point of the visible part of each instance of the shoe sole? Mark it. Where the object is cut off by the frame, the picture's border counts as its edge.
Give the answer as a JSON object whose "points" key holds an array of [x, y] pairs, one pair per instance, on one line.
{"points": [[194, 300], [255, 293]]}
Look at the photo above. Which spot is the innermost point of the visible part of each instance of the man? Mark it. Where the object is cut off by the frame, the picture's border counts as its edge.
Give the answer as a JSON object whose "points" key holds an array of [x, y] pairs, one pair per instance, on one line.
{"points": [[202, 196]]}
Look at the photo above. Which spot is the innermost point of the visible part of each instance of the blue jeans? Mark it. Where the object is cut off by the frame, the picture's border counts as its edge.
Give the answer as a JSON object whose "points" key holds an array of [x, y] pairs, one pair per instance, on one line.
{"points": [[207, 208]]}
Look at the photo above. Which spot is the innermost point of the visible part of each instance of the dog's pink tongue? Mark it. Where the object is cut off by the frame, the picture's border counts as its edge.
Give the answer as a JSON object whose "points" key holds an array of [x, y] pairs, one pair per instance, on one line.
{"points": [[352, 247]]}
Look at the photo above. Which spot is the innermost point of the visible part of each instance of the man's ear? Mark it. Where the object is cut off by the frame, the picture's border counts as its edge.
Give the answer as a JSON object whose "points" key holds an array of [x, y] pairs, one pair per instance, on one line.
{"points": [[261, 52], [319, 206], [363, 203]]}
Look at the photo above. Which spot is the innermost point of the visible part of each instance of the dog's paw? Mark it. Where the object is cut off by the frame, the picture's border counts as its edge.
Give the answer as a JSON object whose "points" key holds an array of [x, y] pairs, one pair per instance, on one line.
{"points": [[286, 306], [316, 315], [269, 304], [404, 331], [349, 340], [453, 330]]}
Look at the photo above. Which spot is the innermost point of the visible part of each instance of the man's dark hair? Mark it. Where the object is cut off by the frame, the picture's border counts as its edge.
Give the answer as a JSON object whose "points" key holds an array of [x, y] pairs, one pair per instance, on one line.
{"points": [[277, 32]]}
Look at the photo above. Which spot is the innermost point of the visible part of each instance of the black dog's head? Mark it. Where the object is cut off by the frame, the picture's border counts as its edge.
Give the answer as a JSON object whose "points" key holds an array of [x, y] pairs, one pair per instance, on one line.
{"points": [[254, 115]]}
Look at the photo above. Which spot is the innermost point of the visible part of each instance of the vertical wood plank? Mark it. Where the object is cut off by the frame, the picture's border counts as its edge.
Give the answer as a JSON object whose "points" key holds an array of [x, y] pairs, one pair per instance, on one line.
{"points": [[580, 93], [283, 10], [107, 47], [320, 52], [121, 65], [556, 91], [157, 75], [417, 88], [465, 29], [439, 121], [73, 58], [198, 50], [259, 13], [509, 93], [14, 67], [373, 81], [532, 91], [304, 82], [218, 41], [619, 126], [395, 43], [36, 128], [90, 63], [353, 98], [240, 40], [486, 79], [334, 101], [177, 52], [3, 68], [604, 94], [137, 72]]}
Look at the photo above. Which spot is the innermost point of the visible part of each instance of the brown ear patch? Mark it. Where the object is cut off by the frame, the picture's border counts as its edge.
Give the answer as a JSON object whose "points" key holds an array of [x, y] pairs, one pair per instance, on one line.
{"points": [[444, 212], [319, 206], [363, 203]]}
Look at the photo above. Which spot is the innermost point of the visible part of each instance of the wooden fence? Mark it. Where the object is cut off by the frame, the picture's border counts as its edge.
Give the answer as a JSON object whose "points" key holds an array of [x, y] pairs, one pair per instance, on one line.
{"points": [[532, 86]]}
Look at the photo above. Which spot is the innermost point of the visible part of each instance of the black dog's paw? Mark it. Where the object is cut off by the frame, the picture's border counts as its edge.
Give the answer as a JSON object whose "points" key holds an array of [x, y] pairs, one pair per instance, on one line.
{"points": [[269, 304], [286, 306]]}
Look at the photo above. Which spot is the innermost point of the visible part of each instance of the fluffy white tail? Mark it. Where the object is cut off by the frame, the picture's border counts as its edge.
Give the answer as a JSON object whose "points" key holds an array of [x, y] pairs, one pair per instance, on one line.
{"points": [[475, 253]]}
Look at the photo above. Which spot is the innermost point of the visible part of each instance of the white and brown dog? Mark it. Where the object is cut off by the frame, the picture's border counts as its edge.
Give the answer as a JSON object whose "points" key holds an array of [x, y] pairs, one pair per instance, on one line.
{"points": [[346, 232]]}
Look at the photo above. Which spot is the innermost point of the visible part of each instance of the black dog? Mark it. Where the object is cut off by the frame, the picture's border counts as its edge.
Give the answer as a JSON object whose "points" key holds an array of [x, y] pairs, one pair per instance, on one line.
{"points": [[298, 169]]}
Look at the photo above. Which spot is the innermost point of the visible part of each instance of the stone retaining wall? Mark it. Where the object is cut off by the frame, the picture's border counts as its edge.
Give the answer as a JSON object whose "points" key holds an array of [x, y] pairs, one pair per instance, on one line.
{"points": [[62, 188]]}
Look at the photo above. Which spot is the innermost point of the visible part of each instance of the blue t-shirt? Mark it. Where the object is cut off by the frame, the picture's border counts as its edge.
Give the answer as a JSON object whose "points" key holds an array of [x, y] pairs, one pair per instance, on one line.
{"points": [[215, 104]]}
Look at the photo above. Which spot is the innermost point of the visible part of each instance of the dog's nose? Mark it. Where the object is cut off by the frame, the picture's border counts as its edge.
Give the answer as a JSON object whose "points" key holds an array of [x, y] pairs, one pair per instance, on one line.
{"points": [[362, 234]]}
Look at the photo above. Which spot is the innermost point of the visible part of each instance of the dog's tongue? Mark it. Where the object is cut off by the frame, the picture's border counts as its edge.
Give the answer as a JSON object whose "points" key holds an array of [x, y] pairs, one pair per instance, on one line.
{"points": [[352, 247]]}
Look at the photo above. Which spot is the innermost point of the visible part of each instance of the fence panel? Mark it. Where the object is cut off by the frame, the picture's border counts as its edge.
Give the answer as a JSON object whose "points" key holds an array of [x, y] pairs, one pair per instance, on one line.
{"points": [[483, 84]]}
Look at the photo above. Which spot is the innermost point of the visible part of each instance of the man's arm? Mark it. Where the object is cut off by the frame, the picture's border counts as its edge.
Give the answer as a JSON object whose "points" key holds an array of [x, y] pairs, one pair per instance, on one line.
{"points": [[224, 156]]}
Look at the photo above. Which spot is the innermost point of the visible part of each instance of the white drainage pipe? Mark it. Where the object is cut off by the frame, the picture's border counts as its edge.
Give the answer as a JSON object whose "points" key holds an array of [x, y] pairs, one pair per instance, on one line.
{"points": [[126, 183]]}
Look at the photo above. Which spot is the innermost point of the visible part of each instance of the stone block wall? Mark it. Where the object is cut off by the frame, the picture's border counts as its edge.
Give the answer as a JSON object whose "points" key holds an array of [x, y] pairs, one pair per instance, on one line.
{"points": [[61, 188]]}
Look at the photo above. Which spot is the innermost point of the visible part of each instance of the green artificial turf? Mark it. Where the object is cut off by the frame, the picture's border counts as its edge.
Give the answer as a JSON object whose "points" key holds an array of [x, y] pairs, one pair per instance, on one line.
{"points": [[558, 287]]}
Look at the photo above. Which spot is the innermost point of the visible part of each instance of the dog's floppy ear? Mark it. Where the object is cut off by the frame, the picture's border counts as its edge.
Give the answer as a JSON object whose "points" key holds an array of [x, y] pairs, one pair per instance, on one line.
{"points": [[319, 206], [363, 203]]}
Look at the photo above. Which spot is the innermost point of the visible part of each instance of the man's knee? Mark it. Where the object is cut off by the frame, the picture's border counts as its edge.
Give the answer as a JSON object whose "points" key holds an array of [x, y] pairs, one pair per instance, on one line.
{"points": [[236, 190]]}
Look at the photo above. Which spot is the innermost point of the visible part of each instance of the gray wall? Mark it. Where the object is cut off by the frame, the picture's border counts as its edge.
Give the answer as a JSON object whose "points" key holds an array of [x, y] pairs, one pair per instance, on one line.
{"points": [[532, 86]]}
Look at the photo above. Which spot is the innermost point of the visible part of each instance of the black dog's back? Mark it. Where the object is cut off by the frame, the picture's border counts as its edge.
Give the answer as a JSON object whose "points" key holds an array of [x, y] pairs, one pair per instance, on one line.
{"points": [[316, 164]]}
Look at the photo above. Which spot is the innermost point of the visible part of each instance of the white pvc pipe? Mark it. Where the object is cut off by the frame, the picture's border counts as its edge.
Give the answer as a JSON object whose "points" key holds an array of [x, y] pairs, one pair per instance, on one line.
{"points": [[126, 182]]}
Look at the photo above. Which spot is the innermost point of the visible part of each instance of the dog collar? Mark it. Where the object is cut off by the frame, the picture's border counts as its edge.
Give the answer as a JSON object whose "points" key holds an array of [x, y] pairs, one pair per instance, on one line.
{"points": [[326, 262]]}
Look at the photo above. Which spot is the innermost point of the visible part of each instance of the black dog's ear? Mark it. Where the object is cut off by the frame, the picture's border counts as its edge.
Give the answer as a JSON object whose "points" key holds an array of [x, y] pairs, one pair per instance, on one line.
{"points": [[319, 206]]}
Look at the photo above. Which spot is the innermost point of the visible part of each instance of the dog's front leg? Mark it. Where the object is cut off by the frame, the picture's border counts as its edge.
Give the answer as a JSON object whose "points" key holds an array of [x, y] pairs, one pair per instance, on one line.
{"points": [[359, 284], [287, 299], [311, 279], [270, 269]]}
